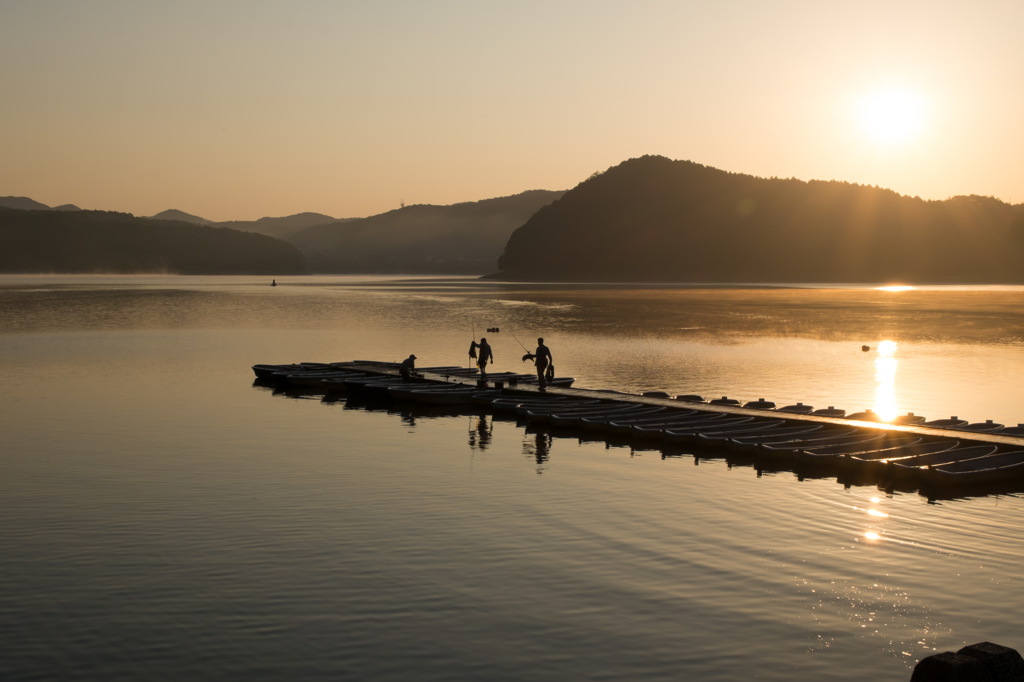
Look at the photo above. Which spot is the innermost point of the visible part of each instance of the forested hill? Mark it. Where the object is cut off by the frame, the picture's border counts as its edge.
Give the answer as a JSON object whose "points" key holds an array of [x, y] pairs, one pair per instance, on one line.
{"points": [[101, 241], [655, 219], [462, 238]]}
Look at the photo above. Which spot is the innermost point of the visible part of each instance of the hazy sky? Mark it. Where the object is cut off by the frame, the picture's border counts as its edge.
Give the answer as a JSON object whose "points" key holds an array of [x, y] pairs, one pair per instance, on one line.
{"points": [[237, 110]]}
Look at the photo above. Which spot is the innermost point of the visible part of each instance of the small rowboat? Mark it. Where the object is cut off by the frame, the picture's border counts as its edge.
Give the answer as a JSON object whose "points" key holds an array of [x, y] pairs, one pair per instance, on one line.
{"points": [[981, 470], [712, 434], [507, 404], [760, 404], [557, 382], [672, 417], [404, 391], [908, 469], [789, 449], [799, 408], [829, 412], [544, 415], [865, 416], [267, 371], [601, 422], [750, 442], [314, 379], [725, 400], [654, 394], [951, 423], [980, 427], [834, 453], [656, 431], [536, 408], [571, 418], [444, 397], [626, 427], [688, 433], [1017, 430], [689, 398], [908, 418], [875, 459]]}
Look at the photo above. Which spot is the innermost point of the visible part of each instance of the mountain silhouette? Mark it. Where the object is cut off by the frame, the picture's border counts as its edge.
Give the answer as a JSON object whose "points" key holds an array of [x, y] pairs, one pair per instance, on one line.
{"points": [[26, 204], [102, 241], [655, 219], [464, 238], [280, 227], [175, 214]]}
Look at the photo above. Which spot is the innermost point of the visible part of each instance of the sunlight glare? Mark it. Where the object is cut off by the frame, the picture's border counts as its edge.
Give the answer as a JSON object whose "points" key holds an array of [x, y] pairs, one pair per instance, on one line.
{"points": [[892, 116], [895, 287], [885, 375], [872, 536]]}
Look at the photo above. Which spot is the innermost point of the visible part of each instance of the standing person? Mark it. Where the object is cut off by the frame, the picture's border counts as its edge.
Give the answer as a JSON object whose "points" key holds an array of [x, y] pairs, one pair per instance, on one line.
{"points": [[408, 368], [541, 358], [485, 356]]}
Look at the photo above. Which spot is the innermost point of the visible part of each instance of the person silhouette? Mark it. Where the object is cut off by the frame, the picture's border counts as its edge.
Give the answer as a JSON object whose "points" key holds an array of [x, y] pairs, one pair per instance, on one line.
{"points": [[408, 368], [273, 283], [485, 356], [541, 359]]}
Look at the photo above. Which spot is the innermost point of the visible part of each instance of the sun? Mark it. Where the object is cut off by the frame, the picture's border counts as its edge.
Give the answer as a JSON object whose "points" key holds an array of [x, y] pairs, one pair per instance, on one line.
{"points": [[893, 116]]}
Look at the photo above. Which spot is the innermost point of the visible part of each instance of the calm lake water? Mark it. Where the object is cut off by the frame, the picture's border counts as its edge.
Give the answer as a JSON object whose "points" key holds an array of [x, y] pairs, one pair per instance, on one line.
{"points": [[163, 518]]}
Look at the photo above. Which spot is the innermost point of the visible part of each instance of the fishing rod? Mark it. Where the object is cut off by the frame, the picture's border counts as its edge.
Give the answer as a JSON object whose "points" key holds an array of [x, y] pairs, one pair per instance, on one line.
{"points": [[520, 342]]}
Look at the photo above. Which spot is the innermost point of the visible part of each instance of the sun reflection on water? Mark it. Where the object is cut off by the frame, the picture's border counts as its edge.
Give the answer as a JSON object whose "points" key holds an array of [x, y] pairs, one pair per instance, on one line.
{"points": [[885, 374], [895, 288]]}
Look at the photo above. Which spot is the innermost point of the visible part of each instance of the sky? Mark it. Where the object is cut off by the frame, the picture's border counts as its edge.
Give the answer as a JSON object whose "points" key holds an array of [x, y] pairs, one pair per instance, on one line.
{"points": [[238, 110]]}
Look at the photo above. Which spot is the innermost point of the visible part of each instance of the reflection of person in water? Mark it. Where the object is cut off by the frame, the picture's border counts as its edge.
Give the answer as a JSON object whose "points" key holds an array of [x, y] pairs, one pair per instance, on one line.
{"points": [[485, 355], [482, 435], [539, 449], [408, 368], [541, 358]]}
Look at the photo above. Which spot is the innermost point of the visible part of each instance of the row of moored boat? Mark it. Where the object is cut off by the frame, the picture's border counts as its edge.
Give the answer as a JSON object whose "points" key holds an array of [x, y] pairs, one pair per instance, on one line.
{"points": [[891, 458]]}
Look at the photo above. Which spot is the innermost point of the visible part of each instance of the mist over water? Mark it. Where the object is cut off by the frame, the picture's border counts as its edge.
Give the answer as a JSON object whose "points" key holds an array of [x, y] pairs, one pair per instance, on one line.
{"points": [[161, 517]]}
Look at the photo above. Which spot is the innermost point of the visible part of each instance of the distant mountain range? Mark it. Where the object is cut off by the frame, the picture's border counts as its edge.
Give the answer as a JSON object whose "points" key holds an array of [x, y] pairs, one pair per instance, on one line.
{"points": [[272, 227], [464, 238], [26, 204], [655, 219], [100, 241]]}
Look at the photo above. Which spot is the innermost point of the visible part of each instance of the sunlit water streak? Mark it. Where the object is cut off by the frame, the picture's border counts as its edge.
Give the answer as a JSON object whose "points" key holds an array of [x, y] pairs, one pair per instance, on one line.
{"points": [[161, 517]]}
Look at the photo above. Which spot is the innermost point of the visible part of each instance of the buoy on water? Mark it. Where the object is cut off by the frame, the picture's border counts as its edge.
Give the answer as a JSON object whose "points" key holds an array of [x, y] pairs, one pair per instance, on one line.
{"points": [[865, 348]]}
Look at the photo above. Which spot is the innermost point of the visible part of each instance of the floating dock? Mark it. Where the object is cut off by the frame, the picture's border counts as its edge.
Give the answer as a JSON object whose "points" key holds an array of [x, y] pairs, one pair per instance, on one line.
{"points": [[893, 456]]}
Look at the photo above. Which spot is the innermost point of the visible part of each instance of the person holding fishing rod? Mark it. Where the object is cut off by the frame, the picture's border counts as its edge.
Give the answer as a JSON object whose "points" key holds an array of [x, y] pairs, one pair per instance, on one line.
{"points": [[542, 360], [485, 355]]}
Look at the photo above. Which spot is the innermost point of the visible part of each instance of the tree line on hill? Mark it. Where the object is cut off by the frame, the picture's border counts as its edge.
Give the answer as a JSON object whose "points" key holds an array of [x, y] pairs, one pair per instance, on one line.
{"points": [[103, 241], [655, 219], [464, 238]]}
